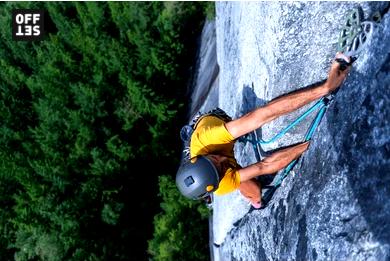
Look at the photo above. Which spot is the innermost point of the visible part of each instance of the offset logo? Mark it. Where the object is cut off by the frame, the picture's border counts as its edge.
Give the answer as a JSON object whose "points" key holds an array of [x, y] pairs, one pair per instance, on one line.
{"points": [[28, 24]]}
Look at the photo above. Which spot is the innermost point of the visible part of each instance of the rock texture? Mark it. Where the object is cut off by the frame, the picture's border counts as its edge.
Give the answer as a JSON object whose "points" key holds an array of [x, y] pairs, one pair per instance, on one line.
{"points": [[335, 204]]}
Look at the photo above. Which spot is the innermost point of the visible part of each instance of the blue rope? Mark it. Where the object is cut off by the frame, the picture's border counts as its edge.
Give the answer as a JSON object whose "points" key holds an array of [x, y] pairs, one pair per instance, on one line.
{"points": [[285, 173], [316, 122], [319, 103], [308, 137]]}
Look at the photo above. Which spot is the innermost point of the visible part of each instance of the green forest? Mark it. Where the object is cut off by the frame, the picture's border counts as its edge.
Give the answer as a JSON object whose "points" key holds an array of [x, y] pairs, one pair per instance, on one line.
{"points": [[89, 134]]}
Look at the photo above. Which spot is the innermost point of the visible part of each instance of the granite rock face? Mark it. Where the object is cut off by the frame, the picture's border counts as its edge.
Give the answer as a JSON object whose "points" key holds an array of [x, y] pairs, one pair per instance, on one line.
{"points": [[335, 205]]}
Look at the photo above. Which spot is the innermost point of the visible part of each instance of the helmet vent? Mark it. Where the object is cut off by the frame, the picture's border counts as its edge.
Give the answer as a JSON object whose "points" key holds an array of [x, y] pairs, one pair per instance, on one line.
{"points": [[189, 181]]}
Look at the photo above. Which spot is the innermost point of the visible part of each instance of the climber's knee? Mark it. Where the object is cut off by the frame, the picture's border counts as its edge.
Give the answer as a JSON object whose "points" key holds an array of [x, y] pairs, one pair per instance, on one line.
{"points": [[251, 190]]}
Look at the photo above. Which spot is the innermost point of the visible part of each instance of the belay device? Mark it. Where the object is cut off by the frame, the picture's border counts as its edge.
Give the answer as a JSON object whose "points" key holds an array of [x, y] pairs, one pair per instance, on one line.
{"points": [[353, 37]]}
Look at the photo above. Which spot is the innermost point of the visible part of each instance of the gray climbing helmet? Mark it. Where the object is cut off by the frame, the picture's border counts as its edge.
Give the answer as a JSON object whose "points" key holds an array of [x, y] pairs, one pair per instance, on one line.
{"points": [[197, 178]]}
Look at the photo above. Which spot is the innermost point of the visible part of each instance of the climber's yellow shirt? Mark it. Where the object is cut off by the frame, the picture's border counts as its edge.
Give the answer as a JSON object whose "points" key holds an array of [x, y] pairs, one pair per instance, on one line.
{"points": [[211, 137]]}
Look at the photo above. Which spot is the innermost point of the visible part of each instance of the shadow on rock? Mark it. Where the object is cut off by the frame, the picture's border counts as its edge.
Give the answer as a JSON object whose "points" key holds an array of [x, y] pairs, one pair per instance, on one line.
{"points": [[250, 102]]}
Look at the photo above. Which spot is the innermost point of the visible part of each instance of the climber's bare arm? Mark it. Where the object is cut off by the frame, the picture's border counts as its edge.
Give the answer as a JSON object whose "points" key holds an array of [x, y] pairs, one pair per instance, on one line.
{"points": [[288, 103], [270, 165]]}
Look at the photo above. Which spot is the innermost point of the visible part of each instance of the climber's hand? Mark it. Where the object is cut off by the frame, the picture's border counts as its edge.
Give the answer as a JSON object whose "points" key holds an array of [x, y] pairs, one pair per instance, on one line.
{"points": [[336, 75]]}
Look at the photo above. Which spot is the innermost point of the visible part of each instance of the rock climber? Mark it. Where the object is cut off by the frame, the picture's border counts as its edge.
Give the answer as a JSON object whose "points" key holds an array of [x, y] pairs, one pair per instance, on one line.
{"points": [[212, 167]]}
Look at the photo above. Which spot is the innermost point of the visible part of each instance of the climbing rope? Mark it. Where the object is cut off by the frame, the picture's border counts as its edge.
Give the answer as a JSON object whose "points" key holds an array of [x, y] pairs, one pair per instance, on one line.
{"points": [[318, 104], [321, 106]]}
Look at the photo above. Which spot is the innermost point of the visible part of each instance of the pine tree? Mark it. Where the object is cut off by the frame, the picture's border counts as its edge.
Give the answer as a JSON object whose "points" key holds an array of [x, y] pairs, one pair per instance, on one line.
{"points": [[87, 117]]}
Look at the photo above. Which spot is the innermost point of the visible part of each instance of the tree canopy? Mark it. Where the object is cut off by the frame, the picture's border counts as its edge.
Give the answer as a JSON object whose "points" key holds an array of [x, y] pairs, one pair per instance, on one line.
{"points": [[90, 121]]}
